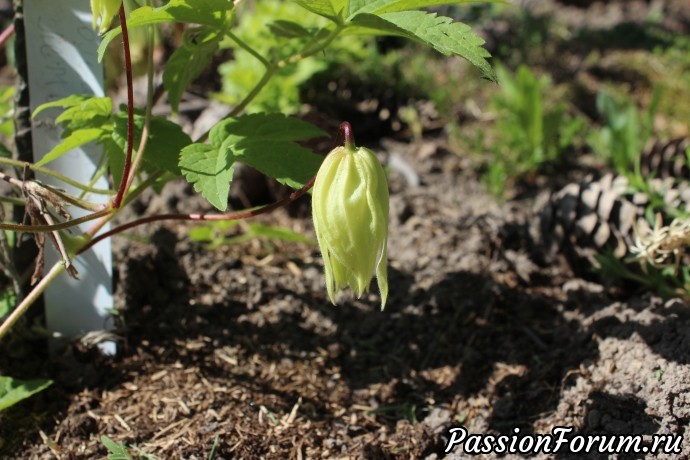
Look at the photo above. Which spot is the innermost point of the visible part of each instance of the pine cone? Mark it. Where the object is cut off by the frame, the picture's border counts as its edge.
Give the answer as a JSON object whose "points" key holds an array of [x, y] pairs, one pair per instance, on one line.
{"points": [[598, 216]]}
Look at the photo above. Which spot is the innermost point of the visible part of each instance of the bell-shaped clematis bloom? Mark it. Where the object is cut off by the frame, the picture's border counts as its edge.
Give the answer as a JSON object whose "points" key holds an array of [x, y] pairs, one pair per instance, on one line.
{"points": [[350, 210]]}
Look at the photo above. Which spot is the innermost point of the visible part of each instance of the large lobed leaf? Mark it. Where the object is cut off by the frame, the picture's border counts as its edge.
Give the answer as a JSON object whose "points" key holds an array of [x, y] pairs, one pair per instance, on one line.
{"points": [[165, 141], [266, 142], [439, 32]]}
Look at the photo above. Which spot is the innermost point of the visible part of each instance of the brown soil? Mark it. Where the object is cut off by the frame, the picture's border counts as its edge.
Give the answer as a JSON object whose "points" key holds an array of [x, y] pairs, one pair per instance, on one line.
{"points": [[237, 349]]}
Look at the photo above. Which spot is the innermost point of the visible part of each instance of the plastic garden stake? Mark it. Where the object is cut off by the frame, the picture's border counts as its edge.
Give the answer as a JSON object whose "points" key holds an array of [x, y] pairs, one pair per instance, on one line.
{"points": [[62, 60]]}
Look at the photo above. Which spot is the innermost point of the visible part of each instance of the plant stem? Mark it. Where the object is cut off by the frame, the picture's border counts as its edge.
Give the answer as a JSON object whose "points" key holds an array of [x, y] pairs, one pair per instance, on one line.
{"points": [[54, 227], [130, 111], [6, 34], [346, 136], [149, 108], [60, 177], [17, 313], [200, 217], [242, 44]]}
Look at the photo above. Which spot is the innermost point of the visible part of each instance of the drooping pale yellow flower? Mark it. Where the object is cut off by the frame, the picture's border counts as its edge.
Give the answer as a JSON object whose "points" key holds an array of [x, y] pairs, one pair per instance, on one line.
{"points": [[350, 210], [105, 10]]}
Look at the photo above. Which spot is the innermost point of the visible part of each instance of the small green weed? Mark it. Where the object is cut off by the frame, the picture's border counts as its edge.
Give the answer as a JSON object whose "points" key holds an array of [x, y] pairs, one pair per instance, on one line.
{"points": [[529, 129], [119, 451], [623, 133], [214, 234]]}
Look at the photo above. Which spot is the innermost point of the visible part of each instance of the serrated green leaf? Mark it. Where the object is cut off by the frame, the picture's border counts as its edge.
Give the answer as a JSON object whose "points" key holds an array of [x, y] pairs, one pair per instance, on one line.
{"points": [[438, 32], [166, 141], [82, 113], [205, 12], [266, 142], [331, 9], [187, 63], [66, 102], [13, 390], [73, 140], [210, 170], [392, 6], [89, 108]]}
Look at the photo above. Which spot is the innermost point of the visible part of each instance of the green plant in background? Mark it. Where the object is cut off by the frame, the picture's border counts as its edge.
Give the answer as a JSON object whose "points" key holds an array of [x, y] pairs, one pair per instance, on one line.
{"points": [[529, 131], [119, 451], [214, 235], [623, 134], [277, 29]]}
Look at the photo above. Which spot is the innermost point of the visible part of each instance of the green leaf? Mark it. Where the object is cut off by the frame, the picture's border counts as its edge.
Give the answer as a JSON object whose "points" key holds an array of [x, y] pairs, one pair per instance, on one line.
{"points": [[278, 233], [331, 9], [392, 6], [187, 63], [118, 451], [12, 390], [8, 299], [81, 111], [5, 152], [69, 101], [210, 169], [266, 142], [438, 32], [72, 141], [206, 12], [85, 111], [116, 159], [213, 234], [288, 29], [166, 140]]}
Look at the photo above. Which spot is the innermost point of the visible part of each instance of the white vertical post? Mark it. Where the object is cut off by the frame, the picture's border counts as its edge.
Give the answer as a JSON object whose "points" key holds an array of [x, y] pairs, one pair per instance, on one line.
{"points": [[62, 60]]}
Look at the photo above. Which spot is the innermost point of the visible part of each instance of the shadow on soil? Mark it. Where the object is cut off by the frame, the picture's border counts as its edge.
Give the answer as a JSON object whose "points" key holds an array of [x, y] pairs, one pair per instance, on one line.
{"points": [[485, 334], [613, 415], [669, 338]]}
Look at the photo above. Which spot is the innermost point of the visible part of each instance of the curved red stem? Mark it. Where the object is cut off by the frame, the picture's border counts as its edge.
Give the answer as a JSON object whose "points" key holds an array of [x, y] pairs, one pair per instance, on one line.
{"points": [[200, 217], [117, 201], [6, 34]]}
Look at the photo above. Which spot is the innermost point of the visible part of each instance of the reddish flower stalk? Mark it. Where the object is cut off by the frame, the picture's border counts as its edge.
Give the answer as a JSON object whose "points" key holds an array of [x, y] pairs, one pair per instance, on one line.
{"points": [[117, 201], [345, 136], [200, 217], [6, 34]]}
